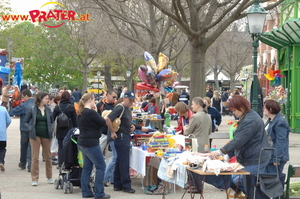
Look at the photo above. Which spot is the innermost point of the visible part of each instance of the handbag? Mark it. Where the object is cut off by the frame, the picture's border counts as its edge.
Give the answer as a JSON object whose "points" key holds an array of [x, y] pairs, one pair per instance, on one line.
{"points": [[117, 122]]}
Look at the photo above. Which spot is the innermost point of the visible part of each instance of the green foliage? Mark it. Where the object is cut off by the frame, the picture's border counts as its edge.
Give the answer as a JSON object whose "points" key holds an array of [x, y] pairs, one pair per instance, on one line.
{"points": [[5, 9], [294, 189], [44, 62]]}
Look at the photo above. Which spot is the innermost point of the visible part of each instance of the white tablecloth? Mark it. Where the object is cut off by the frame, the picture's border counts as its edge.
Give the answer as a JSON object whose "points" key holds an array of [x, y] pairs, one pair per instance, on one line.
{"points": [[138, 160]]}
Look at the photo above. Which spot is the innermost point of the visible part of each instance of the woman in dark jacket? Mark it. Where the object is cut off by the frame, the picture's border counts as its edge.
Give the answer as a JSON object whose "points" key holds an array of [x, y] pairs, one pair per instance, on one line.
{"points": [[68, 108], [40, 134], [278, 128], [249, 138], [90, 123], [215, 115]]}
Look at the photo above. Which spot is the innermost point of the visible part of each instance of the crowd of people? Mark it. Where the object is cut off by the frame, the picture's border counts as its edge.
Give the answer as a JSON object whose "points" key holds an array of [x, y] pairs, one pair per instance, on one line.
{"points": [[39, 112]]}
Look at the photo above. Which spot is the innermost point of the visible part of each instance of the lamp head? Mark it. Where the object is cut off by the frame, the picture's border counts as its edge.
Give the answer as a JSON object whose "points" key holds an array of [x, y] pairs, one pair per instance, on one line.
{"points": [[128, 73], [256, 18]]}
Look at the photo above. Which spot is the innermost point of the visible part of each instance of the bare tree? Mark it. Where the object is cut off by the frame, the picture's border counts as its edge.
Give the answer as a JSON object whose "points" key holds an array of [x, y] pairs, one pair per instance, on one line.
{"points": [[196, 19], [236, 53], [80, 39], [229, 53], [141, 23]]}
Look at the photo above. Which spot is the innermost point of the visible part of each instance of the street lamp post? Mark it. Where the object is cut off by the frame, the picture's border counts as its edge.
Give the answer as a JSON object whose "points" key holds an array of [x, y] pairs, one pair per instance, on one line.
{"points": [[128, 74], [98, 76], [246, 83], [256, 18], [221, 84]]}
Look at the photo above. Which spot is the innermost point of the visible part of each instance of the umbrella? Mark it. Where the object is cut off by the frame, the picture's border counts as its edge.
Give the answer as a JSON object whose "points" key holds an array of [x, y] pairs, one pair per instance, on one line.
{"points": [[18, 75]]}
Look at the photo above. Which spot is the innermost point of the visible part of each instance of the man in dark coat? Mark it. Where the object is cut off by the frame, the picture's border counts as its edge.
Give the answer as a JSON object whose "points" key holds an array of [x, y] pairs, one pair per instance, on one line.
{"points": [[210, 93], [76, 94]]}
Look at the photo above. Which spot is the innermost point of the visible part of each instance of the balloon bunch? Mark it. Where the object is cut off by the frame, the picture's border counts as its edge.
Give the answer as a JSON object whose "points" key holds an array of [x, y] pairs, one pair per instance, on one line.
{"points": [[156, 77], [274, 77]]}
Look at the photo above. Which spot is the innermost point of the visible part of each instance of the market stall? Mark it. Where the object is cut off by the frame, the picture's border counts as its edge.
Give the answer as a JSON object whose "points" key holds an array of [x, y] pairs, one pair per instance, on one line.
{"points": [[178, 165]]}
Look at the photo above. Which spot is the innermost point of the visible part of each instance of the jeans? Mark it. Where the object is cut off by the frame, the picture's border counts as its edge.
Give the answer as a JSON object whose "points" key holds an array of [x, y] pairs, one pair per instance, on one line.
{"points": [[272, 169], [2, 151], [122, 178], [239, 180], [109, 172], [25, 150], [92, 156], [59, 152]]}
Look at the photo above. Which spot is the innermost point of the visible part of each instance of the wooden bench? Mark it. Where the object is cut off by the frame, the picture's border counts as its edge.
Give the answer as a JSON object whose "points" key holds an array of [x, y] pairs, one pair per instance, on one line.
{"points": [[293, 171]]}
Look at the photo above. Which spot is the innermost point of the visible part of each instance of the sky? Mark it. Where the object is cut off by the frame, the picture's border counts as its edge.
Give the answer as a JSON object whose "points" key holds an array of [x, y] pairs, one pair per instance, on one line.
{"points": [[24, 6]]}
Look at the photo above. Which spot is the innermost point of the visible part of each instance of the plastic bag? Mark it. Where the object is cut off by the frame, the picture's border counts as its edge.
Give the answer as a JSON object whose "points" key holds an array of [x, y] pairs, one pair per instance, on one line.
{"points": [[54, 146], [80, 159]]}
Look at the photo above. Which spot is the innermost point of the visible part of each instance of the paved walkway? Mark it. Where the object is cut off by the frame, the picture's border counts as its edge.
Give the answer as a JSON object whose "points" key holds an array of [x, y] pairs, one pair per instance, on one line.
{"points": [[16, 183]]}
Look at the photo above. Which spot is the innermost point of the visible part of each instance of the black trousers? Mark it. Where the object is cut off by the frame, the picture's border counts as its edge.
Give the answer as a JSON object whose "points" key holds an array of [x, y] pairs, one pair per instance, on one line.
{"points": [[121, 175], [2, 151]]}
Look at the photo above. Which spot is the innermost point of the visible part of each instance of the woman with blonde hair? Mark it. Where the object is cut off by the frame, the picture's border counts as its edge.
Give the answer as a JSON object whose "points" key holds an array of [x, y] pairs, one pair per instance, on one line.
{"points": [[200, 124], [215, 115], [90, 123], [216, 101], [184, 116]]}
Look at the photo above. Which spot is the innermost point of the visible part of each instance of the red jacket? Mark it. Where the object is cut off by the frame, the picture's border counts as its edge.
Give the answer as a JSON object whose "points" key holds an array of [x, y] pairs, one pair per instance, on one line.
{"points": [[153, 109], [181, 122]]}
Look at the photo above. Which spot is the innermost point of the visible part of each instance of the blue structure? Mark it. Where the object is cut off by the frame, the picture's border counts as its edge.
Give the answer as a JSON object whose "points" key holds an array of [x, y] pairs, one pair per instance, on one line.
{"points": [[3, 70]]}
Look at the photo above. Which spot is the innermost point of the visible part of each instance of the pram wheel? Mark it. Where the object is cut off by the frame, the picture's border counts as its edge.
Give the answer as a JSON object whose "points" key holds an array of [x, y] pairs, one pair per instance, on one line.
{"points": [[65, 187], [70, 188], [60, 182], [56, 184]]}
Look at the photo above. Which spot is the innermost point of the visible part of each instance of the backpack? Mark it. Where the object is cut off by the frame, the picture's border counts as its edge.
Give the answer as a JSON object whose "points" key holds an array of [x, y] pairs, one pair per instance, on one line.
{"points": [[62, 119]]}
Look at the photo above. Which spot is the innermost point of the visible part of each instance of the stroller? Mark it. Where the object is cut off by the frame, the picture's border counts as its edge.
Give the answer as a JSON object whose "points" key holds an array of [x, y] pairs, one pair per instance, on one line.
{"points": [[70, 171]]}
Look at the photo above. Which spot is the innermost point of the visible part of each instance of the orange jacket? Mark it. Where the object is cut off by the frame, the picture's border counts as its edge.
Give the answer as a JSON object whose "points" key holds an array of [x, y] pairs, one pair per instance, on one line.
{"points": [[15, 98]]}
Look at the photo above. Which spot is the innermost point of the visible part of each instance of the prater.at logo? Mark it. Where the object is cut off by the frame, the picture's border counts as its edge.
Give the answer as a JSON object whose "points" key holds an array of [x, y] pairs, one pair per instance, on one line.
{"points": [[58, 15]]}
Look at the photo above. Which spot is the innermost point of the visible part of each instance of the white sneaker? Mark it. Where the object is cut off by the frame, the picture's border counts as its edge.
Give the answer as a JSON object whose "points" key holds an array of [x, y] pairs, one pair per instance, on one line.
{"points": [[50, 181], [34, 183]]}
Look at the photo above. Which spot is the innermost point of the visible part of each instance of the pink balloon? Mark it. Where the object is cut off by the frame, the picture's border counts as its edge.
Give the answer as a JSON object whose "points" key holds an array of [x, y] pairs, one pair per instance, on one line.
{"points": [[175, 84], [143, 75]]}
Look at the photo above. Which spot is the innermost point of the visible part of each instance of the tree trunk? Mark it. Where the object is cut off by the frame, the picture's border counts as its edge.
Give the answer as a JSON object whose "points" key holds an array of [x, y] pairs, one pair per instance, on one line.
{"points": [[232, 83], [107, 77], [197, 83], [84, 83], [216, 79]]}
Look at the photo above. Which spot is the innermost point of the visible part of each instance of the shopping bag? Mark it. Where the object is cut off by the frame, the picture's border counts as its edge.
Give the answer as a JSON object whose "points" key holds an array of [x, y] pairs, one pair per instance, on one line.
{"points": [[254, 190], [54, 146], [80, 158], [270, 185]]}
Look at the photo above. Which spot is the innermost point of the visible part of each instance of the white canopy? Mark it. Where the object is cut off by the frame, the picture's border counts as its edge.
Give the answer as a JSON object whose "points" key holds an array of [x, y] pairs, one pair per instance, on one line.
{"points": [[220, 77]]}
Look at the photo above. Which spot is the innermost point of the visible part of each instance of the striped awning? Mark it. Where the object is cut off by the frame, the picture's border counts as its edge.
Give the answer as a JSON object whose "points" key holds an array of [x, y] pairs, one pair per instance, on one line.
{"points": [[287, 35]]}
